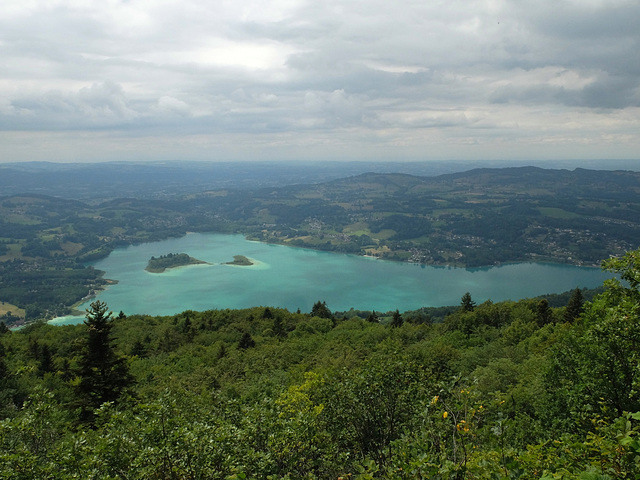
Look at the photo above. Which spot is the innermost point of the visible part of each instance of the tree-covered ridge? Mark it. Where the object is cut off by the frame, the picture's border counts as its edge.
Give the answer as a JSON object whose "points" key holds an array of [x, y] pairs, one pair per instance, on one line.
{"points": [[171, 260], [481, 217], [509, 390], [476, 218]]}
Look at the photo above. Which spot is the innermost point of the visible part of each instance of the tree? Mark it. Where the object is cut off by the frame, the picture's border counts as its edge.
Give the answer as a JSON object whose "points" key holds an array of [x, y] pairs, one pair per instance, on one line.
{"points": [[367, 407], [45, 360], [466, 304], [138, 349], [7, 384], [373, 317], [628, 267], [544, 314], [397, 320], [104, 376], [246, 341], [321, 310], [574, 307], [596, 365], [278, 327]]}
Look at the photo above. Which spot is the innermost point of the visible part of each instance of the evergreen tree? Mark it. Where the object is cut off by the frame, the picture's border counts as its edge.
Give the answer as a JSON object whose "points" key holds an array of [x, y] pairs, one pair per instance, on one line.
{"points": [[321, 310], [138, 349], [373, 317], [7, 385], [186, 325], [544, 314], [45, 360], [466, 304], [574, 307], [246, 341], [278, 327], [104, 376], [3, 367], [397, 320]]}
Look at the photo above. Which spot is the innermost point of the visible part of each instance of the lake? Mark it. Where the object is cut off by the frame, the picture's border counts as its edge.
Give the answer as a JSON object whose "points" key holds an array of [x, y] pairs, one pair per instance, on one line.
{"points": [[295, 278]]}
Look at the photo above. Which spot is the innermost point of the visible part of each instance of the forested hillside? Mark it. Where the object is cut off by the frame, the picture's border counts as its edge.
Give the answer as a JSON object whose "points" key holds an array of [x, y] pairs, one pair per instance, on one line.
{"points": [[512, 390], [476, 218]]}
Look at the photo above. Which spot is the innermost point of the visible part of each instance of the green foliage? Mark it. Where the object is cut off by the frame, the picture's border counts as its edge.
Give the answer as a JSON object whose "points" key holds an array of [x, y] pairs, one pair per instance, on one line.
{"points": [[373, 317], [396, 320], [171, 260], [103, 375], [466, 303], [544, 314], [499, 392], [246, 341], [574, 307], [321, 310]]}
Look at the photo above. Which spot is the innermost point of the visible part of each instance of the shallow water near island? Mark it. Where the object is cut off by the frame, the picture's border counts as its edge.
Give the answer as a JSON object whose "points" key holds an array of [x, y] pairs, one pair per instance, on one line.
{"points": [[295, 278]]}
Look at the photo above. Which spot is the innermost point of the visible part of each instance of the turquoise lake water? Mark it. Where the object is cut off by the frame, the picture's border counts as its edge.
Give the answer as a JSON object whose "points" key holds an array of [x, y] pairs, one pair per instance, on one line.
{"points": [[296, 278]]}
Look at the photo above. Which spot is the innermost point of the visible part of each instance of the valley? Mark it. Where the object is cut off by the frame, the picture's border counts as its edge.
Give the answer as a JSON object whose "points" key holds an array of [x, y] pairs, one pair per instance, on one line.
{"points": [[477, 218]]}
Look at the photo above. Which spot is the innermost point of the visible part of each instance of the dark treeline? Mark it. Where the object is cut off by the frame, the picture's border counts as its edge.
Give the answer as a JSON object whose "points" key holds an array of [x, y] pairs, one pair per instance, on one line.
{"points": [[509, 390]]}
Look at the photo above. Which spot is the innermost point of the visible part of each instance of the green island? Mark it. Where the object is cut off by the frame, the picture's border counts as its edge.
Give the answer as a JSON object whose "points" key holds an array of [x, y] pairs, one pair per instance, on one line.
{"points": [[240, 260], [171, 260]]}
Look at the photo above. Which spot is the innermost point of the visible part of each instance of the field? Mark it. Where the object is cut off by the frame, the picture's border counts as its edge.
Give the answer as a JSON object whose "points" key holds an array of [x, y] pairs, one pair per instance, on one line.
{"points": [[12, 309]]}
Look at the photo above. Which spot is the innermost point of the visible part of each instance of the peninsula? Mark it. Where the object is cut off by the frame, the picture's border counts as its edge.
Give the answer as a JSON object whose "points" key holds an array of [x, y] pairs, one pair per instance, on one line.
{"points": [[240, 260], [172, 260]]}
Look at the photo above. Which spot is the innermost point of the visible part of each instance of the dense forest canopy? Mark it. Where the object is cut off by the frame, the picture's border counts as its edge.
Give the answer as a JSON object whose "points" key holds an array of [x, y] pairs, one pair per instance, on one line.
{"points": [[509, 390]]}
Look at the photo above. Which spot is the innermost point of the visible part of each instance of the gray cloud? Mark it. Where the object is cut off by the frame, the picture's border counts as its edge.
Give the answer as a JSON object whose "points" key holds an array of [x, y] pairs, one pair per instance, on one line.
{"points": [[602, 93], [298, 78]]}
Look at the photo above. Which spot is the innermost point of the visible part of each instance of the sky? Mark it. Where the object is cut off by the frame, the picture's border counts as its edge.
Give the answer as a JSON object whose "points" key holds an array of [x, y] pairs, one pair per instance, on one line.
{"points": [[86, 80]]}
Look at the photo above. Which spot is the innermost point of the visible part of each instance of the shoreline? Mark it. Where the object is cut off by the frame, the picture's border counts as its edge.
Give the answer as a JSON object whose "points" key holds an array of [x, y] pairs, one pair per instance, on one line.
{"points": [[254, 263], [453, 264]]}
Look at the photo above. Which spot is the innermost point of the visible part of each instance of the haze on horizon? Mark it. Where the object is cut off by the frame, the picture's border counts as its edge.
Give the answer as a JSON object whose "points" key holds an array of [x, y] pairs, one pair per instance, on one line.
{"points": [[301, 80]]}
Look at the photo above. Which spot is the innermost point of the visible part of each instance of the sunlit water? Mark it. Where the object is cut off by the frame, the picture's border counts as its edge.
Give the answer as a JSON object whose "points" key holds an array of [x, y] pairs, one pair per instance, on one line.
{"points": [[296, 278]]}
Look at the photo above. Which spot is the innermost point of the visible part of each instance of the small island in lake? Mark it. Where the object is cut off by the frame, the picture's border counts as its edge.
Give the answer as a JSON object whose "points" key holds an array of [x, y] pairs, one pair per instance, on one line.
{"points": [[240, 260], [172, 260]]}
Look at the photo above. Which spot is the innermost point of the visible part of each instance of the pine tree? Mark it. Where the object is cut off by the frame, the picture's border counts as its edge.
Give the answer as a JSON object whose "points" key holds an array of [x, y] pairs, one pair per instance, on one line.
{"points": [[246, 341], [544, 313], [278, 327], [574, 307], [373, 317], [138, 349], [7, 385], [321, 310], [466, 304], [104, 376], [45, 360], [397, 319]]}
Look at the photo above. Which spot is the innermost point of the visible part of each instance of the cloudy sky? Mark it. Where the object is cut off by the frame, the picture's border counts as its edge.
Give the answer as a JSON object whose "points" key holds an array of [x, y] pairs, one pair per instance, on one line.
{"points": [[86, 80]]}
